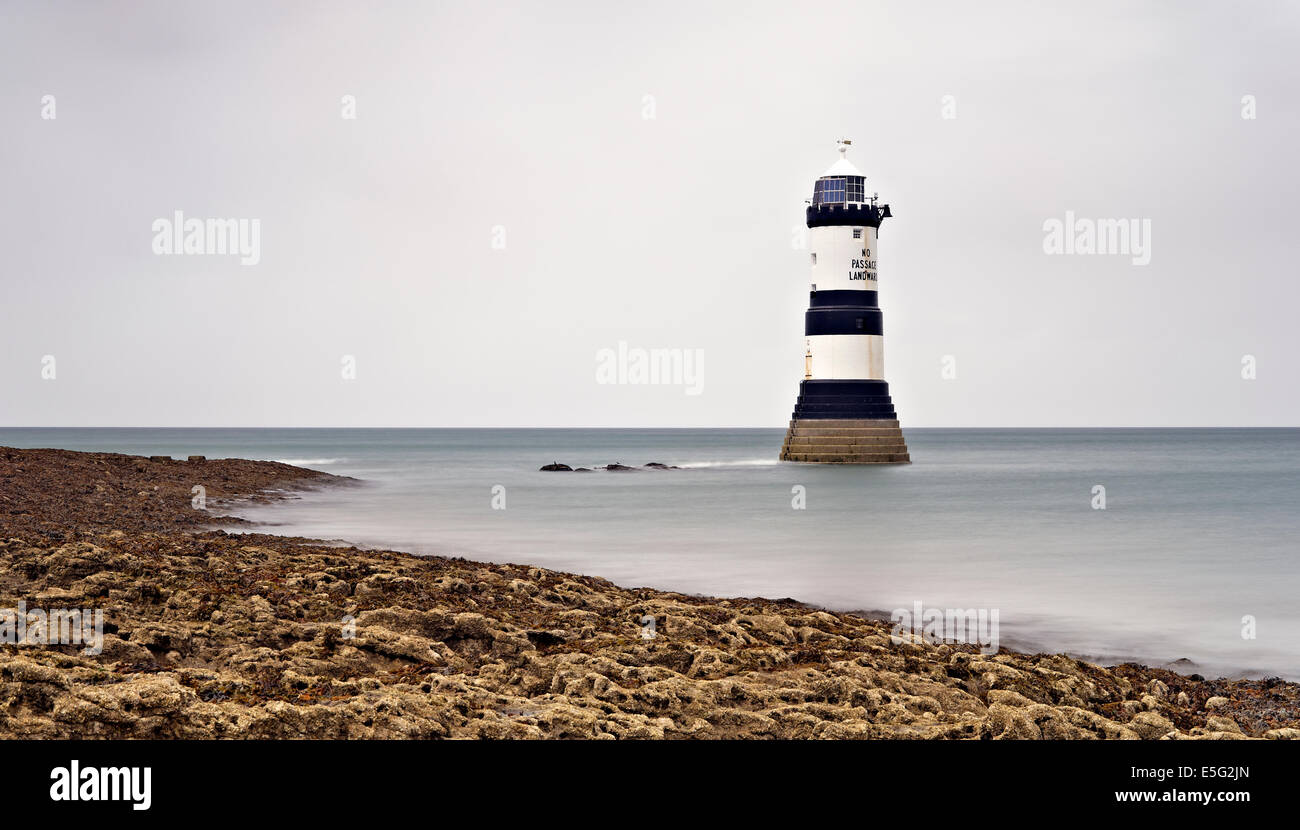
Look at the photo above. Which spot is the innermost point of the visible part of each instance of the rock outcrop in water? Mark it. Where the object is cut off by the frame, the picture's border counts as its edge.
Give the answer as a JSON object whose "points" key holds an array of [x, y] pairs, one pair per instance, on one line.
{"points": [[618, 468], [211, 635]]}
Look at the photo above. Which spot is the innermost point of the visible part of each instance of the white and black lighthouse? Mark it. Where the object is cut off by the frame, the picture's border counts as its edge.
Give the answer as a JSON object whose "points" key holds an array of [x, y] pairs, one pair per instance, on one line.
{"points": [[844, 414]]}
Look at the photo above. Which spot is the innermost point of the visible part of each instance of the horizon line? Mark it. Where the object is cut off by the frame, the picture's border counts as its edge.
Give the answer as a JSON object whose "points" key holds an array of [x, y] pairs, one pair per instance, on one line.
{"points": [[1139, 426]]}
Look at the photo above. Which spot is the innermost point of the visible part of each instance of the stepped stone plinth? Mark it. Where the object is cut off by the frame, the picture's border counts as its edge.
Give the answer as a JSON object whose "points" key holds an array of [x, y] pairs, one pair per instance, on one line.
{"points": [[845, 441]]}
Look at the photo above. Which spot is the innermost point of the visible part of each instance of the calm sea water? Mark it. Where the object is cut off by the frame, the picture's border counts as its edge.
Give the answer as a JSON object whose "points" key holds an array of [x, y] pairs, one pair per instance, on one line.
{"points": [[1199, 531]]}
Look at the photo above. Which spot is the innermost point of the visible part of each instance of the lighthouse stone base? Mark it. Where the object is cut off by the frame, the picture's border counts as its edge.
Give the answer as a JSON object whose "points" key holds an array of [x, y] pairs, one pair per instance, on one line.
{"points": [[845, 422]]}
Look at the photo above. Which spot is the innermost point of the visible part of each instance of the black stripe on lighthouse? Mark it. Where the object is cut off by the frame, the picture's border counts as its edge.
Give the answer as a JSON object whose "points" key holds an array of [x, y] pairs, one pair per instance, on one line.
{"points": [[855, 297], [841, 320], [831, 215]]}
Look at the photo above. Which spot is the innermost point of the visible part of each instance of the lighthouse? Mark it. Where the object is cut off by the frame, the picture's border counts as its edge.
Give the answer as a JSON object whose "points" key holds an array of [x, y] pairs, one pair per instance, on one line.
{"points": [[844, 414]]}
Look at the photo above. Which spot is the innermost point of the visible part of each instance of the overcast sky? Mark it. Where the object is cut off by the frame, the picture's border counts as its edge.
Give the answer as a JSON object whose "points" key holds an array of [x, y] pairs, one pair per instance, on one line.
{"points": [[663, 222]]}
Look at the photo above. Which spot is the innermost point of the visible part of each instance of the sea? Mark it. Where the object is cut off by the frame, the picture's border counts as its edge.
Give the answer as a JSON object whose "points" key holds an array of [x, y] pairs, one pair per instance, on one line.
{"points": [[1168, 547]]}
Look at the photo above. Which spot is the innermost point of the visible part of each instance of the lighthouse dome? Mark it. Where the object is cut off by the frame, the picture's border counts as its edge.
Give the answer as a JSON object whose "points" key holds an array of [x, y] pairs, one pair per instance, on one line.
{"points": [[843, 167]]}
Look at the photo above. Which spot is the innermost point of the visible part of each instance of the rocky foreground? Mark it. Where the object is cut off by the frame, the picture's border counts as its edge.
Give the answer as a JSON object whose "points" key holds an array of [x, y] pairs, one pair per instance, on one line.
{"points": [[214, 635]]}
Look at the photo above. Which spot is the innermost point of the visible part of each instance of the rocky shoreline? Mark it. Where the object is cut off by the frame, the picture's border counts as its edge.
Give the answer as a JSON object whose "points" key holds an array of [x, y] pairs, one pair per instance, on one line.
{"points": [[209, 634]]}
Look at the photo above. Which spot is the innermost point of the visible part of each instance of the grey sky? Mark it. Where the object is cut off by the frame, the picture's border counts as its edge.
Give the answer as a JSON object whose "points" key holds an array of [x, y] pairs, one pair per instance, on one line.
{"points": [[674, 232]]}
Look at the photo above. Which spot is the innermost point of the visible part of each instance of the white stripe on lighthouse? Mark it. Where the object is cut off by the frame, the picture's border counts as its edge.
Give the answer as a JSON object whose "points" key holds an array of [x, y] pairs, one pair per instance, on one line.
{"points": [[841, 262], [847, 356]]}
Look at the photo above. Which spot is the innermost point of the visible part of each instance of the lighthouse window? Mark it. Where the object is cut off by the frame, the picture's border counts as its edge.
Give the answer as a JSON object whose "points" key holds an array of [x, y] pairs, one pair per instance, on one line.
{"points": [[857, 233], [814, 259], [859, 322], [828, 191], [855, 188]]}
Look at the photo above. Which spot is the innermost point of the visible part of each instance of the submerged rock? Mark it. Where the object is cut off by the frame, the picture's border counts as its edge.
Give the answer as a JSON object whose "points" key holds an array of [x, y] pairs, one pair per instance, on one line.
{"points": [[615, 467]]}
